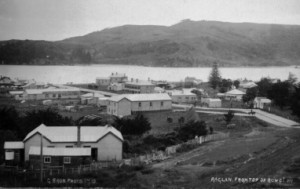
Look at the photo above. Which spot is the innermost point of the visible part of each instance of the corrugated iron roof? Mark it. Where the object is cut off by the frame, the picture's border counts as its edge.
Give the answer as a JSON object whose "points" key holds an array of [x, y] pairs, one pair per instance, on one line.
{"points": [[69, 133], [14, 145], [16, 92], [235, 92], [142, 97], [49, 90], [93, 95], [36, 150]]}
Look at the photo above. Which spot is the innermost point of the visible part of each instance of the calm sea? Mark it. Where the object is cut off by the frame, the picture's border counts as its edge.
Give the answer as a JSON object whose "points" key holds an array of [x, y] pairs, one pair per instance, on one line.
{"points": [[88, 74]]}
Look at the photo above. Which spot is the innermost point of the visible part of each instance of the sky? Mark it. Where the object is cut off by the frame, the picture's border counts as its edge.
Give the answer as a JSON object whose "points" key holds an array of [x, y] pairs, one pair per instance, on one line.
{"points": [[59, 19]]}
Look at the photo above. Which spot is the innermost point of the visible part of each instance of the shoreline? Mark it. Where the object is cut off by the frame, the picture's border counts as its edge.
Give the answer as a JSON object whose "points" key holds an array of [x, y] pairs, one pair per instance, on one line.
{"points": [[129, 65]]}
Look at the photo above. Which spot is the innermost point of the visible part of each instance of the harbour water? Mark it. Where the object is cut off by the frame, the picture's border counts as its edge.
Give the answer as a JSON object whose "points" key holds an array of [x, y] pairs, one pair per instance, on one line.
{"points": [[88, 74]]}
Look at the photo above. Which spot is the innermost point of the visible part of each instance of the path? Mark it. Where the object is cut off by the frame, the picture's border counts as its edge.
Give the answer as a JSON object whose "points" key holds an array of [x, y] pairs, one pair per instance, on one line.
{"points": [[262, 115]]}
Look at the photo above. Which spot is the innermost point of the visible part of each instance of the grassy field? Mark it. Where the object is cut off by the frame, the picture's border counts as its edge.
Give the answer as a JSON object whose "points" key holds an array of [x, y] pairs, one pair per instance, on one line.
{"points": [[254, 149]]}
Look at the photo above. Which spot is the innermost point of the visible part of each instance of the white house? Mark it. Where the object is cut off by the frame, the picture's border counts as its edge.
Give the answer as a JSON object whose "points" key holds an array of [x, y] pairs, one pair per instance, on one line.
{"points": [[116, 86], [139, 86], [105, 142], [113, 78], [128, 104], [102, 81], [234, 94], [248, 85], [91, 98], [182, 96], [51, 93], [17, 95], [212, 102], [34, 85], [261, 102]]}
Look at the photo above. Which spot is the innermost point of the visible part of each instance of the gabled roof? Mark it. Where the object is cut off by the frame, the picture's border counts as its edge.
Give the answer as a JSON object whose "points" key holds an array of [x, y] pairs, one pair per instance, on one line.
{"points": [[235, 92], [183, 92], [49, 90], [16, 92], [140, 83], [69, 133], [142, 97], [14, 145], [36, 150], [263, 99], [93, 95]]}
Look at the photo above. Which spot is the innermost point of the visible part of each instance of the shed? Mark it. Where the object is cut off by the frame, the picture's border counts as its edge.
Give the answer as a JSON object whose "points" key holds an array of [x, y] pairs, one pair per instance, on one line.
{"points": [[212, 102], [234, 94], [261, 102], [14, 152]]}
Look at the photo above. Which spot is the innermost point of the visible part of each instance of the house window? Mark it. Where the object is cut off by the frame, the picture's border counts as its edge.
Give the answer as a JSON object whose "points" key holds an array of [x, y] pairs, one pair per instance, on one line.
{"points": [[187, 98], [140, 104], [47, 159], [87, 146], [150, 103], [69, 146], [67, 160], [46, 95], [161, 103], [54, 95]]}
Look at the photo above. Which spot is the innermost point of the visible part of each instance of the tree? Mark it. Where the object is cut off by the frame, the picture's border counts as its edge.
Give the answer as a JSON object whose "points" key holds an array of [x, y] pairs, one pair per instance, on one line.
{"points": [[214, 77], [132, 126], [49, 117], [236, 83], [225, 85], [9, 119], [192, 129], [264, 86], [181, 121], [228, 117], [90, 121], [250, 95], [280, 93], [295, 101]]}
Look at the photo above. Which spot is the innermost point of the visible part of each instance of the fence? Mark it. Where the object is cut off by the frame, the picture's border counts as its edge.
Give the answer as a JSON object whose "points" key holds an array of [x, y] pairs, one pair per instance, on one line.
{"points": [[162, 155], [136, 161]]}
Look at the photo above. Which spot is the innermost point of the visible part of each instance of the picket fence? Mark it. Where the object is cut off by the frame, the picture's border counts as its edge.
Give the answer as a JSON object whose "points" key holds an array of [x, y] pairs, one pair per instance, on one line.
{"points": [[163, 155]]}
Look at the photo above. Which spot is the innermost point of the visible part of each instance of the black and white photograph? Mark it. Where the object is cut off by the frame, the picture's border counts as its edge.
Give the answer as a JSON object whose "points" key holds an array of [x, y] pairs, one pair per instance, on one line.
{"points": [[150, 94]]}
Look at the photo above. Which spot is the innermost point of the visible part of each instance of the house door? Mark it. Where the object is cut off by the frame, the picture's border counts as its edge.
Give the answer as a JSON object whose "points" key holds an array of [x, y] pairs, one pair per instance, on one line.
{"points": [[94, 154]]}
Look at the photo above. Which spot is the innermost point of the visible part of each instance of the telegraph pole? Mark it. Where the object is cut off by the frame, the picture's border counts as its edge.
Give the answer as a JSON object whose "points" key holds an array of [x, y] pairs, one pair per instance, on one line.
{"points": [[41, 157]]}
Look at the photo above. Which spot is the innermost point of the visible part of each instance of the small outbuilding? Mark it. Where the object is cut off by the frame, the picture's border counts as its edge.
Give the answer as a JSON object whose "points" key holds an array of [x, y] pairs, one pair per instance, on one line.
{"points": [[261, 102], [14, 152], [212, 102], [234, 94]]}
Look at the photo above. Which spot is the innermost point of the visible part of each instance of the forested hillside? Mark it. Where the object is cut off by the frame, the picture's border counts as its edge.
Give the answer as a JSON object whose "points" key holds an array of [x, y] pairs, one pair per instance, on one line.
{"points": [[188, 43]]}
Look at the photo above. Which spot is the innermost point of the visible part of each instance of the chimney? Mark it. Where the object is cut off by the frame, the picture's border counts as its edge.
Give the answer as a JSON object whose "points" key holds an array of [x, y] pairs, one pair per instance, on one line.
{"points": [[131, 79], [78, 136], [112, 73], [137, 80]]}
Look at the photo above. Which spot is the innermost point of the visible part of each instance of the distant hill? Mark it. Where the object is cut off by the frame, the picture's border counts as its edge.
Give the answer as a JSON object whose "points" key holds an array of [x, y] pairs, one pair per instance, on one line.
{"points": [[188, 43]]}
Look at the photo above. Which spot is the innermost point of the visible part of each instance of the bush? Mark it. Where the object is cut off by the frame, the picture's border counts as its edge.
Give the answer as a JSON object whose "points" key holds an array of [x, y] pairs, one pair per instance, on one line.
{"points": [[147, 171], [192, 129]]}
